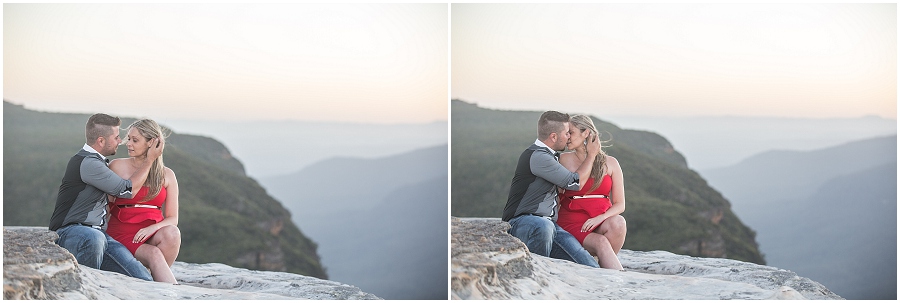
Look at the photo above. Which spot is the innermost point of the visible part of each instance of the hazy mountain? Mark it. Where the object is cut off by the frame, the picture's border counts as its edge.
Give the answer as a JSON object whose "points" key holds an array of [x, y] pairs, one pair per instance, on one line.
{"points": [[224, 216], [788, 175], [830, 214], [297, 144], [381, 224], [715, 142], [668, 206], [339, 184]]}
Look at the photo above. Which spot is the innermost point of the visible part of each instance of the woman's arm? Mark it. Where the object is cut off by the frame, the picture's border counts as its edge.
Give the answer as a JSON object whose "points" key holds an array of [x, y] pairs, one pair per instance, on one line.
{"points": [[617, 196], [118, 167], [584, 170], [170, 206], [569, 161]]}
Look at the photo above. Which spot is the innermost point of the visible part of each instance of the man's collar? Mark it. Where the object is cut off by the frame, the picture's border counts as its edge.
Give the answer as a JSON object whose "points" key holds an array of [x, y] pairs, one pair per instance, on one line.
{"points": [[92, 150], [540, 143]]}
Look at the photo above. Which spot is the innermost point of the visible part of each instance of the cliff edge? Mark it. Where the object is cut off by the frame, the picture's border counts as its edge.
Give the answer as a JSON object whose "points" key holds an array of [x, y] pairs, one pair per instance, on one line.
{"points": [[488, 263], [36, 268]]}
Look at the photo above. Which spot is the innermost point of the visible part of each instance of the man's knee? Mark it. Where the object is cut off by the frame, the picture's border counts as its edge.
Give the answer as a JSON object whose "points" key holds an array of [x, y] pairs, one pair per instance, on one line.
{"points": [[537, 233], [534, 227], [84, 243], [83, 240]]}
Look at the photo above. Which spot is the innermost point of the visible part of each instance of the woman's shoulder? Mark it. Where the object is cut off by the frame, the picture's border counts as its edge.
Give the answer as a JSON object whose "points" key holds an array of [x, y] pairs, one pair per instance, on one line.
{"points": [[613, 164], [611, 159], [567, 157], [118, 163], [168, 171], [168, 176]]}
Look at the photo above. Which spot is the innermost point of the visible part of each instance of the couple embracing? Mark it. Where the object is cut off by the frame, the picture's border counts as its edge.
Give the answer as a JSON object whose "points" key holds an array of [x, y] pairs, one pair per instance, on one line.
{"points": [[567, 206], [120, 215]]}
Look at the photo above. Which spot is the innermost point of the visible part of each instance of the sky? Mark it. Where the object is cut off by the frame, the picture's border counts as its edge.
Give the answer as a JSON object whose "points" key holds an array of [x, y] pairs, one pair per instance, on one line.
{"points": [[362, 63], [678, 60]]}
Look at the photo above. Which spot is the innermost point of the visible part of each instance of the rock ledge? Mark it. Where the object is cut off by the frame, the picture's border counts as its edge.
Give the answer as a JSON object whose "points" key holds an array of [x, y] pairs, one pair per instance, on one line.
{"points": [[488, 263], [36, 268]]}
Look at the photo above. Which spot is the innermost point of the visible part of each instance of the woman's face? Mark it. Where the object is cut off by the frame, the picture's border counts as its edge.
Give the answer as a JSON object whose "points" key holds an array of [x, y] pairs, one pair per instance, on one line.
{"points": [[578, 136], [136, 143]]}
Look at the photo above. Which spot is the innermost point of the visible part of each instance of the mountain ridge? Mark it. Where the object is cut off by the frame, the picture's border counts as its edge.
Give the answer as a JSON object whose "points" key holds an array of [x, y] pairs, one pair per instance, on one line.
{"points": [[324, 172], [224, 217], [712, 142]]}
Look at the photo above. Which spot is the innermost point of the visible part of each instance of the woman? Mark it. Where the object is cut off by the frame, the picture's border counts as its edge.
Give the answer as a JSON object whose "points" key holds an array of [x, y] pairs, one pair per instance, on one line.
{"points": [[139, 223], [592, 214]]}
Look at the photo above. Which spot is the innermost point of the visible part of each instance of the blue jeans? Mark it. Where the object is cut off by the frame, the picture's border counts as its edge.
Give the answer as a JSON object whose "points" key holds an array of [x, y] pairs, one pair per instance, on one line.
{"points": [[546, 238], [96, 249]]}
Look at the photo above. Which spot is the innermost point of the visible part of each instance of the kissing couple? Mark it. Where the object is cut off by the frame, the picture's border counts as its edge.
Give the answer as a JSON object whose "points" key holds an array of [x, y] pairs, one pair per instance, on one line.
{"points": [[568, 205], [120, 215]]}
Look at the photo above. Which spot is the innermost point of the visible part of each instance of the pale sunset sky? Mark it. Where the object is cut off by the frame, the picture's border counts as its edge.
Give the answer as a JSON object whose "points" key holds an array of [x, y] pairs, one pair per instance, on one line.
{"points": [[777, 60], [366, 63]]}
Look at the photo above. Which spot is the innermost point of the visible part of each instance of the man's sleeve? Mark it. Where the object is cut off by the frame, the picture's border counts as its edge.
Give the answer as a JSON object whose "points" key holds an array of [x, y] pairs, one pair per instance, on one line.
{"points": [[544, 165], [97, 174]]}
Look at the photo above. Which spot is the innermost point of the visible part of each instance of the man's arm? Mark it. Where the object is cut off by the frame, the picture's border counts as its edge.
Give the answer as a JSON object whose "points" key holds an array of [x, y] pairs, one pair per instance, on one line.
{"points": [[545, 166], [96, 173]]}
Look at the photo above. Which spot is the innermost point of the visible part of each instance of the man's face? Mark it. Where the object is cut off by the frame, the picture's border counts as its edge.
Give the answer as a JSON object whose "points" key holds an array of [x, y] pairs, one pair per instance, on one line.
{"points": [[111, 143], [562, 138]]}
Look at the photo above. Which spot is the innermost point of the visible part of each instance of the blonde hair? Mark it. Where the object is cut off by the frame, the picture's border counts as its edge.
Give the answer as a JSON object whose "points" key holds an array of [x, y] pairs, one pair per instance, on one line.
{"points": [[582, 122], [149, 129]]}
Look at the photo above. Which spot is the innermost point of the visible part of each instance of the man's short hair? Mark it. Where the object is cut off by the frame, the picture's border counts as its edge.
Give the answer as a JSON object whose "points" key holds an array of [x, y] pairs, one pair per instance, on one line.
{"points": [[551, 122], [98, 126]]}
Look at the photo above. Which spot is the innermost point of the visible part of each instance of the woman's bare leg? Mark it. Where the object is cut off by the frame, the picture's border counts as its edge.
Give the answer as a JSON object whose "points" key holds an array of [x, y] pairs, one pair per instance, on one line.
{"points": [[599, 246], [153, 258], [614, 229], [168, 240]]}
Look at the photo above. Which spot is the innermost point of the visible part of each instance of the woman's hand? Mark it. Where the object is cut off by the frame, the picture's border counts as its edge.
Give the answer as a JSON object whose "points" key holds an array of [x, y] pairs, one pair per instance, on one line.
{"points": [[591, 224], [144, 233]]}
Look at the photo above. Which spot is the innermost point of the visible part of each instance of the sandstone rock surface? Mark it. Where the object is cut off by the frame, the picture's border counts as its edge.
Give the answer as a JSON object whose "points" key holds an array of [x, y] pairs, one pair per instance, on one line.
{"points": [[36, 268], [488, 263]]}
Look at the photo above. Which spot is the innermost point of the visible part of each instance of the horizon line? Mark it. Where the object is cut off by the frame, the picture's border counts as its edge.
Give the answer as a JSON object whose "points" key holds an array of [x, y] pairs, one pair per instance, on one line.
{"points": [[864, 116]]}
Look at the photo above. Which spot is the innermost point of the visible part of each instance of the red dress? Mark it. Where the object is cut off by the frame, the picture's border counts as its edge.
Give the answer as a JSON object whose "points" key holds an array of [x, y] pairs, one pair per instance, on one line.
{"points": [[574, 212], [124, 222]]}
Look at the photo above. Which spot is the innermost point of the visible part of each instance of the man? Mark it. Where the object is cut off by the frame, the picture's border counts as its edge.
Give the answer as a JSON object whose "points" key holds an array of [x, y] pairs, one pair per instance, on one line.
{"points": [[532, 206], [80, 211]]}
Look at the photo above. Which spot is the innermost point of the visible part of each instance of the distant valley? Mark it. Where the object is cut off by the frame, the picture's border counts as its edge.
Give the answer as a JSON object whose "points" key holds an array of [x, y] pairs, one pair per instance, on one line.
{"points": [[381, 224], [828, 214]]}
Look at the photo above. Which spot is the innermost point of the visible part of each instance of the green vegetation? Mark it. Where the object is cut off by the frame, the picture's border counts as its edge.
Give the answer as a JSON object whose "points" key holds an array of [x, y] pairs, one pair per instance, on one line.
{"points": [[224, 216], [668, 206]]}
